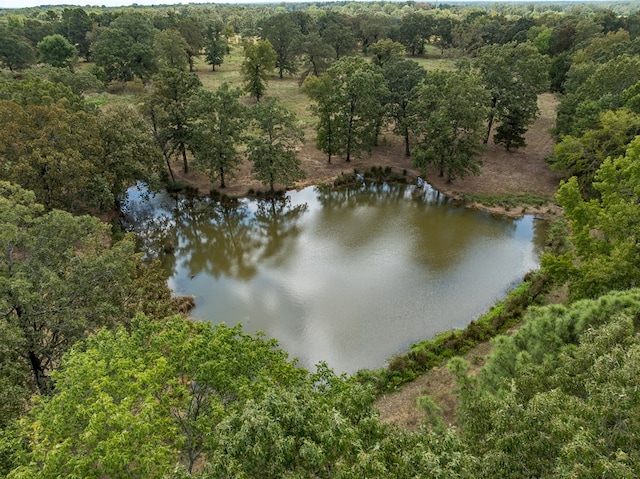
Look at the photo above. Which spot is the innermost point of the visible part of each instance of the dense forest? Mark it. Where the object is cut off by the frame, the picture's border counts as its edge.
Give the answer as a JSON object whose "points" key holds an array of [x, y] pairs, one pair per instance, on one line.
{"points": [[102, 372]]}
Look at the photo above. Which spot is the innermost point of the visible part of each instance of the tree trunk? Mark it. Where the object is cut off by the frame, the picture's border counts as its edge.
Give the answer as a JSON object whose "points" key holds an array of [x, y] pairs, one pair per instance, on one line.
{"points": [[349, 132], [156, 135], [43, 382], [494, 102], [222, 185], [185, 163], [407, 152]]}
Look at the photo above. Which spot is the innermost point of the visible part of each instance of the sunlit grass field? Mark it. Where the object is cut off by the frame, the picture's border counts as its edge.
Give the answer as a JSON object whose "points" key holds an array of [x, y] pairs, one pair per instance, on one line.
{"points": [[287, 90]]}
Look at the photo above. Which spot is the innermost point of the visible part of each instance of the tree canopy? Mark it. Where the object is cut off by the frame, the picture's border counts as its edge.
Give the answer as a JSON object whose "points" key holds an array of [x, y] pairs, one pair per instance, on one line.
{"points": [[447, 117], [61, 279], [124, 49], [514, 74], [272, 146], [259, 60]]}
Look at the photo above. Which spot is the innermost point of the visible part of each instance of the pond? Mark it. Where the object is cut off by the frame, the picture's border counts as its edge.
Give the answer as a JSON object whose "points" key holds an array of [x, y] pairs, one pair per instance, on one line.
{"points": [[347, 276]]}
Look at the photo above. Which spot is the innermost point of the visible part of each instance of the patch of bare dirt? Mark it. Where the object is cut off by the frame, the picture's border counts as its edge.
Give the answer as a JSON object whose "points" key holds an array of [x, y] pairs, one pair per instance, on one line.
{"points": [[503, 172], [512, 172], [401, 407]]}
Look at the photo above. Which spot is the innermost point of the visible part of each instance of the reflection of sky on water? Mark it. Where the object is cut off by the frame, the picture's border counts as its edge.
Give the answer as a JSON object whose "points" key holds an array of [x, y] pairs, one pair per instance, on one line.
{"points": [[355, 276]]}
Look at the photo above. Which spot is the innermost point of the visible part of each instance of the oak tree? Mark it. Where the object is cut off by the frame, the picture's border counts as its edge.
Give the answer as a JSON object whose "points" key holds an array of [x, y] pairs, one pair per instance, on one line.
{"points": [[219, 121], [448, 120], [272, 145]]}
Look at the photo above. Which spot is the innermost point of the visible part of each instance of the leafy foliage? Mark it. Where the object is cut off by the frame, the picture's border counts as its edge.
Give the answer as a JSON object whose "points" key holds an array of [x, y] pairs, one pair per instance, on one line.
{"points": [[176, 390], [283, 33], [604, 230], [168, 106], [349, 106], [582, 156], [514, 74], [171, 49], [56, 51], [15, 53], [60, 279], [271, 148], [218, 126], [448, 119], [549, 400], [215, 45], [69, 156], [402, 78], [259, 61], [124, 49]]}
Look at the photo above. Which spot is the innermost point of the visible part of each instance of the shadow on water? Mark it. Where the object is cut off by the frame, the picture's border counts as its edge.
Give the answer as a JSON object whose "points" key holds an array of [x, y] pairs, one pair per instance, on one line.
{"points": [[226, 237]]}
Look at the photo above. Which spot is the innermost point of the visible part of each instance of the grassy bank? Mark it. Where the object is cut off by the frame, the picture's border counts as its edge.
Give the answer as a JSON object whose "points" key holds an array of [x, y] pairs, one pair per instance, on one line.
{"points": [[427, 354]]}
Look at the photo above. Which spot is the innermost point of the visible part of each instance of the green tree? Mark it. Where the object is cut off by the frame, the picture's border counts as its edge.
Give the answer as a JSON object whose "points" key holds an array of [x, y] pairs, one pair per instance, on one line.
{"points": [[272, 147], [320, 90], [349, 100], [15, 53], [171, 49], [171, 92], [215, 45], [371, 28], [191, 31], [448, 119], [51, 150], [385, 50], [57, 51], [443, 30], [129, 151], [337, 30], [514, 74], [72, 158], [604, 230], [60, 279], [136, 401], [124, 49], [415, 28], [218, 128], [402, 77], [282, 31], [79, 81], [316, 55], [33, 30], [75, 24], [582, 156], [553, 400], [599, 88], [259, 61], [35, 91]]}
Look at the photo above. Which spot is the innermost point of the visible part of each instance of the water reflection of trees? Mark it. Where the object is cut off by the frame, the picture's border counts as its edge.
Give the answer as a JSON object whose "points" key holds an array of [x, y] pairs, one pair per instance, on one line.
{"points": [[445, 235], [216, 239], [355, 216], [227, 237], [276, 224], [440, 231]]}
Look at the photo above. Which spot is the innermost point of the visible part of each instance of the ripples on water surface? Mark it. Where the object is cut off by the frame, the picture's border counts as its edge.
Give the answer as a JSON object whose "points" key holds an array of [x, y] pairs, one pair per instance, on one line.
{"points": [[349, 277]]}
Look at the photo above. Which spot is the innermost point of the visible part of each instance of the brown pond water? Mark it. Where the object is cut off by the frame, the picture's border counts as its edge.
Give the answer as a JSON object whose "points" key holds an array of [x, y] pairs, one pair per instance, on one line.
{"points": [[349, 276]]}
